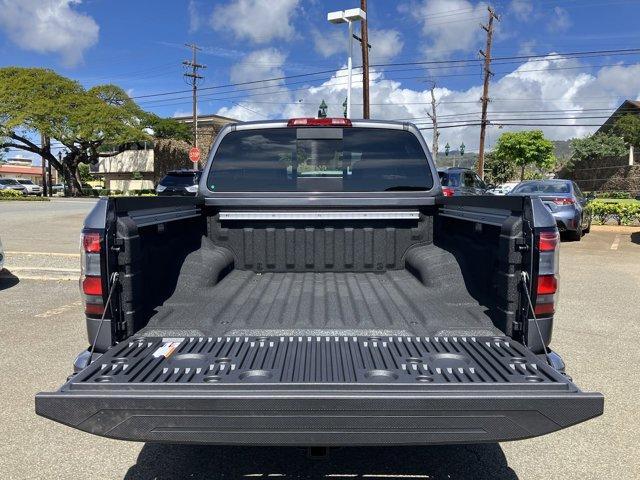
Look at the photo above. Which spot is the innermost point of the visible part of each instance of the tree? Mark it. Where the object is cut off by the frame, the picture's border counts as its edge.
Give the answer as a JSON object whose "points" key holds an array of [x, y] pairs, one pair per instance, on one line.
{"points": [[498, 170], [84, 173], [90, 124], [628, 127], [168, 128], [596, 146], [525, 148]]}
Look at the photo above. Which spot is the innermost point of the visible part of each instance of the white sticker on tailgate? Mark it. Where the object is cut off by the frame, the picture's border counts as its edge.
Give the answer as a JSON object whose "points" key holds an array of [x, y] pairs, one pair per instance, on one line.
{"points": [[166, 349]]}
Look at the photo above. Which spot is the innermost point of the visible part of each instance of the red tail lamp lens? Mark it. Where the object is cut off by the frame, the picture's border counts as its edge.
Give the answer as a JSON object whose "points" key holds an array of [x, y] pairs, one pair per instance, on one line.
{"points": [[319, 122], [92, 285], [94, 309], [548, 241], [545, 309], [91, 242], [563, 201], [547, 284], [447, 191]]}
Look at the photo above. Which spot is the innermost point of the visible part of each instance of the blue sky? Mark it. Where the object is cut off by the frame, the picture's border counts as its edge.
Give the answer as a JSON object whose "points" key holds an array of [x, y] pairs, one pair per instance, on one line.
{"points": [[139, 46]]}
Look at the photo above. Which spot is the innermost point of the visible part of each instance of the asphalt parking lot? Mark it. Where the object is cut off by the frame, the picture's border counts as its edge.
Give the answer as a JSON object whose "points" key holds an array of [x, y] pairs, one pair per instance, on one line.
{"points": [[41, 326]]}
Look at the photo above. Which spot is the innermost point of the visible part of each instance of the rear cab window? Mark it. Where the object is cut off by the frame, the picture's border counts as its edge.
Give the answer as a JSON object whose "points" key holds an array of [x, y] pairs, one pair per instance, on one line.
{"points": [[321, 159], [180, 179]]}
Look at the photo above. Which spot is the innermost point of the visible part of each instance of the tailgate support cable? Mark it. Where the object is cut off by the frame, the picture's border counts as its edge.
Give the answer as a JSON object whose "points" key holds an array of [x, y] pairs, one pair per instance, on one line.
{"points": [[114, 282], [525, 282]]}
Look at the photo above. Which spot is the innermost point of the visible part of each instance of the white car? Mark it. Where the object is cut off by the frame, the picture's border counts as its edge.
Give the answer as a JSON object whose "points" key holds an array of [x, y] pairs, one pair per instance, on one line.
{"points": [[1, 256], [31, 188], [504, 188]]}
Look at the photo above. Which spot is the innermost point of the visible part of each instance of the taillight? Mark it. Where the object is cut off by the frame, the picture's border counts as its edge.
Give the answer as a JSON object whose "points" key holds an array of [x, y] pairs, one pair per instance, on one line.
{"points": [[91, 278], [563, 201], [319, 122], [547, 284], [447, 191], [548, 241]]}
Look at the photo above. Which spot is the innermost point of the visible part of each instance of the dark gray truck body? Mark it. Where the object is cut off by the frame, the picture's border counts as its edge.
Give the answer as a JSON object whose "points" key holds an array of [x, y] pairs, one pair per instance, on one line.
{"points": [[344, 318]]}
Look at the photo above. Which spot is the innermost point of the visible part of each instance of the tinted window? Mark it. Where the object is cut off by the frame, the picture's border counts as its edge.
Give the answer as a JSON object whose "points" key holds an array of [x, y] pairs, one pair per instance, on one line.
{"points": [[542, 187], [25, 182], [345, 160], [180, 179], [469, 179], [8, 181], [450, 179]]}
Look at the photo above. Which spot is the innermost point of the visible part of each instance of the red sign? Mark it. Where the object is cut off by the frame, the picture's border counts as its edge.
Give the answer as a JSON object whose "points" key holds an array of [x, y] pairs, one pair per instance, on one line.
{"points": [[194, 154]]}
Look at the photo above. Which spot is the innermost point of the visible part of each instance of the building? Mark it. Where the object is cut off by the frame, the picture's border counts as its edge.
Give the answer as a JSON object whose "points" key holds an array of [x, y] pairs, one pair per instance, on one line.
{"points": [[23, 168], [142, 168], [208, 128], [628, 107]]}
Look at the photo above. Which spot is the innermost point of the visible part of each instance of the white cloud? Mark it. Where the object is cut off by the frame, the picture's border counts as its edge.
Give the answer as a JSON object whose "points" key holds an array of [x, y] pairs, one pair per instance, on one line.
{"points": [[256, 20], [195, 18], [560, 20], [522, 9], [49, 26], [448, 32], [552, 83], [385, 44], [527, 47]]}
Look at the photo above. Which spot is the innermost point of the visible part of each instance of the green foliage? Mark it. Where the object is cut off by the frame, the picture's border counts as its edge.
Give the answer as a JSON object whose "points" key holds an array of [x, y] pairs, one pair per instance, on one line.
{"points": [[498, 170], [10, 193], [136, 176], [621, 213], [169, 128], [628, 127], [617, 194], [84, 172], [597, 146], [525, 148]]}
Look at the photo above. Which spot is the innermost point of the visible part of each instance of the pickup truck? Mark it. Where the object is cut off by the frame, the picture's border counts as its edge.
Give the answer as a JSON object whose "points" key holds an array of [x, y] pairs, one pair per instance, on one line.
{"points": [[319, 291]]}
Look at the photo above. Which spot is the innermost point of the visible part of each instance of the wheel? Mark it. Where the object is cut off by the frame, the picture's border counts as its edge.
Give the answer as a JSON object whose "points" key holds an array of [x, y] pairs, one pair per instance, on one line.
{"points": [[588, 229], [575, 235]]}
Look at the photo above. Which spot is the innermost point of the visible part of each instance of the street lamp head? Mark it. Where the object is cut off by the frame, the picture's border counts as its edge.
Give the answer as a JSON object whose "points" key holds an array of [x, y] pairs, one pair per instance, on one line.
{"points": [[344, 16]]}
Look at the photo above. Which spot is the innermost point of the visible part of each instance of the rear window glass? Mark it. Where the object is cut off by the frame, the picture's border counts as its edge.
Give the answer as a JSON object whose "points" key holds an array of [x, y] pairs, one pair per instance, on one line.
{"points": [[180, 179], [319, 160], [450, 179], [542, 187]]}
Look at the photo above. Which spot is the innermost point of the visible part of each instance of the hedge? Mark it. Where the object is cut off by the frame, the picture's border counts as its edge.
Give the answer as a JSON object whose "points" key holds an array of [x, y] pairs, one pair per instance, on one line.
{"points": [[621, 213], [8, 195]]}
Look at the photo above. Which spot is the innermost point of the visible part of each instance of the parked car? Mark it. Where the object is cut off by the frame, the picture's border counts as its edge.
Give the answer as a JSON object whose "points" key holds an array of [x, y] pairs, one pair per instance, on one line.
{"points": [[319, 291], [564, 200], [504, 188], [31, 188], [179, 182], [462, 181], [12, 184], [57, 188]]}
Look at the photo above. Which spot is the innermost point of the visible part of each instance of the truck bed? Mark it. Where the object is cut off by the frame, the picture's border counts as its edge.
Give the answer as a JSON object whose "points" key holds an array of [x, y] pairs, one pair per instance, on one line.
{"points": [[393, 302]]}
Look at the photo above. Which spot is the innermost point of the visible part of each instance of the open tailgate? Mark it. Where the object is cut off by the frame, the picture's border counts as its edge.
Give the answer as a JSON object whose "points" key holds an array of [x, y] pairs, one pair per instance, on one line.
{"points": [[325, 391]]}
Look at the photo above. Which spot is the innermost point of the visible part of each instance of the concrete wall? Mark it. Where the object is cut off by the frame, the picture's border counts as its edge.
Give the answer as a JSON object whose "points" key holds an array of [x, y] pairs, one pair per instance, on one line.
{"points": [[128, 161]]}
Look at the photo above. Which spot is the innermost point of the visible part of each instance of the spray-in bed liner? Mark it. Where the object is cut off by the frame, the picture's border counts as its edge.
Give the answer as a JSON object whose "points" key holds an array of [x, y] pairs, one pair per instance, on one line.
{"points": [[287, 303]]}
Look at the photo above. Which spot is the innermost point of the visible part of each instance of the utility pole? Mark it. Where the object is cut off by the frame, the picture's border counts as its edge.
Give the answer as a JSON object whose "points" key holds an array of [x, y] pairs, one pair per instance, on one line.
{"points": [[434, 120], [193, 78], [364, 43], [485, 89]]}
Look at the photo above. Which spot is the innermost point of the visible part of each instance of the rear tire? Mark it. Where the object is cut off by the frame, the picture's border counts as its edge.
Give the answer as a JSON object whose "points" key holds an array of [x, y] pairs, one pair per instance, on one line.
{"points": [[575, 235], [588, 229]]}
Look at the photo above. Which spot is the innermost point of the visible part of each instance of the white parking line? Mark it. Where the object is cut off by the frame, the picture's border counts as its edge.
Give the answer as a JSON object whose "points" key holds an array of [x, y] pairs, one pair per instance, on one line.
{"points": [[616, 243], [46, 269], [51, 254], [44, 278]]}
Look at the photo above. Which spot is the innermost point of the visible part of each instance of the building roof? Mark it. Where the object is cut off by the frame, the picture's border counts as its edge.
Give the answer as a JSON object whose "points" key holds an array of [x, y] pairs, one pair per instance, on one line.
{"points": [[628, 106], [15, 169], [207, 119]]}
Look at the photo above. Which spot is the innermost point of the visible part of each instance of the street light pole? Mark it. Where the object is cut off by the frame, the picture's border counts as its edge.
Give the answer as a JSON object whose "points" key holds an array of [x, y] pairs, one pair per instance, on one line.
{"points": [[348, 17]]}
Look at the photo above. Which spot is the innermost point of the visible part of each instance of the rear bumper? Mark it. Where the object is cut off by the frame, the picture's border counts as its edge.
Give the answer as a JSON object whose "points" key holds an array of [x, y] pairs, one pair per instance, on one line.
{"points": [[319, 391], [318, 418]]}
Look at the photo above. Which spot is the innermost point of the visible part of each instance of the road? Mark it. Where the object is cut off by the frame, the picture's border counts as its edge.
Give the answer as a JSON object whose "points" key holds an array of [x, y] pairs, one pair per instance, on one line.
{"points": [[597, 327]]}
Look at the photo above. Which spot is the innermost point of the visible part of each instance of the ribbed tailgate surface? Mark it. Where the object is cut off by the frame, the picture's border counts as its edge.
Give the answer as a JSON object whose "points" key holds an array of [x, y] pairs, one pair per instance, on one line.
{"points": [[484, 361]]}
